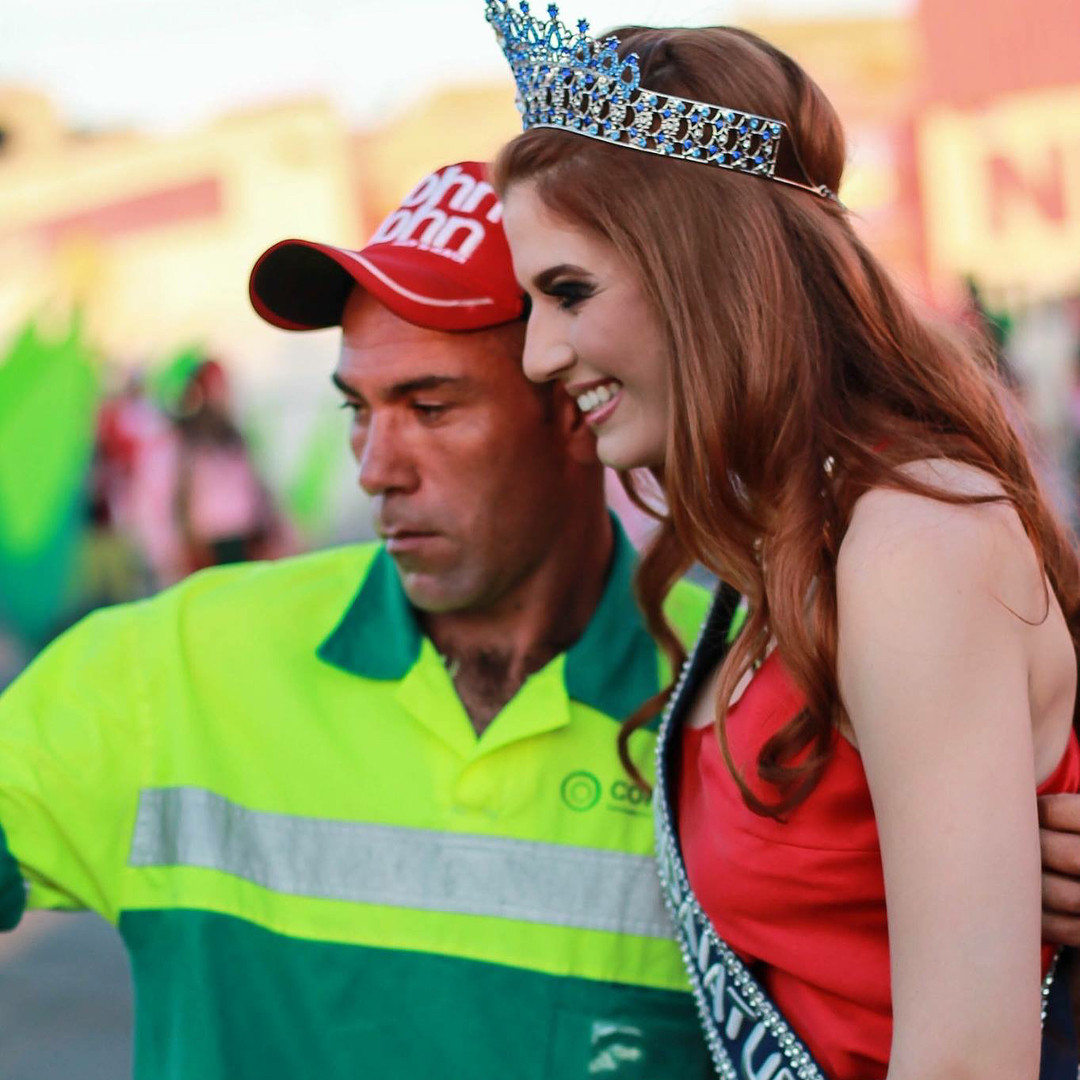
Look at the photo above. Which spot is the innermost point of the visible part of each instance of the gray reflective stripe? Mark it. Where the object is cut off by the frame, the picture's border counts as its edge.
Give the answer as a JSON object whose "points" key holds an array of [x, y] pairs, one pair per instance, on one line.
{"points": [[457, 873]]}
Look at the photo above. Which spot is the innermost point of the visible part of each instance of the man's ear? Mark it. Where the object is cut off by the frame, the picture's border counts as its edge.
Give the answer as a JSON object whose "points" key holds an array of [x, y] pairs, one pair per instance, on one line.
{"points": [[580, 441]]}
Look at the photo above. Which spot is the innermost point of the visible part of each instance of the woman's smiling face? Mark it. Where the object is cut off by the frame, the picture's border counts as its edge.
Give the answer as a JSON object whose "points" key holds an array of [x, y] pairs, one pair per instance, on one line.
{"points": [[592, 328]]}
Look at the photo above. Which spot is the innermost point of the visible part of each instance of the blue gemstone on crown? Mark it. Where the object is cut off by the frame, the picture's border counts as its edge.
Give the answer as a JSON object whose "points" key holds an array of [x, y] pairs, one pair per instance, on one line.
{"points": [[553, 11], [583, 26], [687, 144], [754, 123], [735, 155]]}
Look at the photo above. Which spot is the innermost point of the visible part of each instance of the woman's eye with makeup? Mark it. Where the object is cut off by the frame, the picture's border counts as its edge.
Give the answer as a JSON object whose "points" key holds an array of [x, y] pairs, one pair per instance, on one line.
{"points": [[570, 293]]}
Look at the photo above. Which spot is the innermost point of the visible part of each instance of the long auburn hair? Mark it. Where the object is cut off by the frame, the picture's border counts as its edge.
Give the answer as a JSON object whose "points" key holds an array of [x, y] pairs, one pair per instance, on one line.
{"points": [[792, 350]]}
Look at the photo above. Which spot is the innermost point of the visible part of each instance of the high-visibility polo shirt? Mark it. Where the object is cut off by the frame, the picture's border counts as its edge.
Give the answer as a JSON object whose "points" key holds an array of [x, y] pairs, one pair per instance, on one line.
{"points": [[266, 780]]}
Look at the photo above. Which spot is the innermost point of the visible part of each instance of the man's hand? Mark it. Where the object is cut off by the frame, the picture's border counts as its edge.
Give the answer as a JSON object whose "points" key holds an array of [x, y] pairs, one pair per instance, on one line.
{"points": [[1059, 841]]}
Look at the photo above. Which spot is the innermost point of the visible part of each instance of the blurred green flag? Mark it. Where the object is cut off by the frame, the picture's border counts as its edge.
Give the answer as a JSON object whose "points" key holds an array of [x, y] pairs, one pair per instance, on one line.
{"points": [[48, 401], [309, 496]]}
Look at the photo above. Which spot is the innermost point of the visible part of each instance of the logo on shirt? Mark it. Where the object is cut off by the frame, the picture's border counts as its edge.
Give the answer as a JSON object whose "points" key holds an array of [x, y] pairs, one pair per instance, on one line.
{"points": [[580, 790]]}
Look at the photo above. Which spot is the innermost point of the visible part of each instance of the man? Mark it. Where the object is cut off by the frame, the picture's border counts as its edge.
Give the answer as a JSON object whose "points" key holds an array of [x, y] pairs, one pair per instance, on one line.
{"points": [[360, 814]]}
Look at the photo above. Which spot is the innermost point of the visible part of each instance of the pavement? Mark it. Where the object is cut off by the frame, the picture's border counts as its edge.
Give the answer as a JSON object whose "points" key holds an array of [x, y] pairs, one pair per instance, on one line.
{"points": [[65, 1000]]}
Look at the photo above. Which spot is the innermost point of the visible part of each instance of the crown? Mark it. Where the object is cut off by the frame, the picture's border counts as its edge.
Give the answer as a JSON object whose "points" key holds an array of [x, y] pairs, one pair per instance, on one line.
{"points": [[570, 81]]}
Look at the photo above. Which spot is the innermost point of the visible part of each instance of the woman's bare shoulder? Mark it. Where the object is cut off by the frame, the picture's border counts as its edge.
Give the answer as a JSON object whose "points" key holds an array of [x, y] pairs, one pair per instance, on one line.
{"points": [[905, 538]]}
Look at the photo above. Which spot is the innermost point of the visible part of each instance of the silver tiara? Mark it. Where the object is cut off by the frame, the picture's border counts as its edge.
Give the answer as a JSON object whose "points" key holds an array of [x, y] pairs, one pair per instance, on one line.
{"points": [[573, 82]]}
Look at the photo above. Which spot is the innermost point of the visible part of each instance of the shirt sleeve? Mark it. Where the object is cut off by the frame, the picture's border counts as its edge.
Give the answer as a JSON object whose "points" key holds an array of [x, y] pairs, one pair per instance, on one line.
{"points": [[71, 750]]}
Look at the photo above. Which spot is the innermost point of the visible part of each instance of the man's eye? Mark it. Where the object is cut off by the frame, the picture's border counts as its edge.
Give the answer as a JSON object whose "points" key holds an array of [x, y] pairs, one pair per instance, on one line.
{"points": [[428, 409], [355, 407]]}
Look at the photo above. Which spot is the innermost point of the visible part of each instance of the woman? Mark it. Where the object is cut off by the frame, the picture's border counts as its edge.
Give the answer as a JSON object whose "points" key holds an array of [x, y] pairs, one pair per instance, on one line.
{"points": [[906, 677]]}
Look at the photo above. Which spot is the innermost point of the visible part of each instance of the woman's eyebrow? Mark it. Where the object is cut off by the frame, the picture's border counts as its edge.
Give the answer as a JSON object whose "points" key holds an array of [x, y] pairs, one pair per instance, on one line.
{"points": [[546, 278]]}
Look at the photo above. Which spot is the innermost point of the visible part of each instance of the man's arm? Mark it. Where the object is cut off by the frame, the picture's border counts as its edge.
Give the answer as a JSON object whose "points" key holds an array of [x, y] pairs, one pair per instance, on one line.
{"points": [[71, 755], [1059, 841]]}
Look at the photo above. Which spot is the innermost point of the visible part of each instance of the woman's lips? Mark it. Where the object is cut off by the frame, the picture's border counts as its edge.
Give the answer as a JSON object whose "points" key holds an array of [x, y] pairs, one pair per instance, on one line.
{"points": [[603, 411], [598, 399]]}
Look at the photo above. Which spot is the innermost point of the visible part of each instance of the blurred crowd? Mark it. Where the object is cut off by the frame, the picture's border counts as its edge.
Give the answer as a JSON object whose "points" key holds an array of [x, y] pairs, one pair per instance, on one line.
{"points": [[173, 490]]}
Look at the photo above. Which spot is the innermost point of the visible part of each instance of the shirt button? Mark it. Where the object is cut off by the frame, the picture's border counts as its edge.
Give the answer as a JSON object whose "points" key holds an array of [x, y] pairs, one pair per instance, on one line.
{"points": [[476, 792]]}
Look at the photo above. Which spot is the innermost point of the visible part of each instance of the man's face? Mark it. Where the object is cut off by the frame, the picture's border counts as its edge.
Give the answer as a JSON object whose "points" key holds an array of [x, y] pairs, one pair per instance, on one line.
{"points": [[462, 456]]}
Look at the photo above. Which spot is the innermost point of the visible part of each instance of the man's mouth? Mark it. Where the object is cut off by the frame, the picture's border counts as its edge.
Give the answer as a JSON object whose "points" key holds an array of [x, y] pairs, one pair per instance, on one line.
{"points": [[401, 540]]}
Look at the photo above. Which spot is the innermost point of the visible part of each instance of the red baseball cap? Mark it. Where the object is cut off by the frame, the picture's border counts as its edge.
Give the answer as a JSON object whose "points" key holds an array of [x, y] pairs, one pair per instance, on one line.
{"points": [[440, 260]]}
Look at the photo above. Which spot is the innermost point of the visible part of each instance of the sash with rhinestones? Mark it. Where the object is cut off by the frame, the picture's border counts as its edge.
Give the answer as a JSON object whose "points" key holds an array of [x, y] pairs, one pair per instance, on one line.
{"points": [[747, 1035]]}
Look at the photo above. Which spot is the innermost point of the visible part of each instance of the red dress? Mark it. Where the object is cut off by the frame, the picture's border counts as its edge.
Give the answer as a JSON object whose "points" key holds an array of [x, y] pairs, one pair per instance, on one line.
{"points": [[804, 900]]}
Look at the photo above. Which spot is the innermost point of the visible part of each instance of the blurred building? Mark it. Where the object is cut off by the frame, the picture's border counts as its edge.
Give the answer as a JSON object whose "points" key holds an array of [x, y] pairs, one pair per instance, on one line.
{"points": [[999, 144], [153, 237]]}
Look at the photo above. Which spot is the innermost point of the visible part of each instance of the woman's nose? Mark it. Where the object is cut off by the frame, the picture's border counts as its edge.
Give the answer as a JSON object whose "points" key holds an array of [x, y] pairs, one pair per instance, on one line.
{"points": [[545, 357]]}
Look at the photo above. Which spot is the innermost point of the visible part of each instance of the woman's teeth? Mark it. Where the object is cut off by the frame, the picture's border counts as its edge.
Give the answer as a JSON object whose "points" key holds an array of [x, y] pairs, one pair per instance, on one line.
{"points": [[597, 396]]}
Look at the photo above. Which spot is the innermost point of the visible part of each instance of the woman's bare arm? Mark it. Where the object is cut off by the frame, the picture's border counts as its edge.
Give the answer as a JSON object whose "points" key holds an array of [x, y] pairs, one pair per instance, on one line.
{"points": [[933, 672]]}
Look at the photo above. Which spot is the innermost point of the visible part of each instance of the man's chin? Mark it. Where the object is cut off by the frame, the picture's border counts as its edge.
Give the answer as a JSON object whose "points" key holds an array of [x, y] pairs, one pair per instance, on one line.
{"points": [[431, 596], [431, 588]]}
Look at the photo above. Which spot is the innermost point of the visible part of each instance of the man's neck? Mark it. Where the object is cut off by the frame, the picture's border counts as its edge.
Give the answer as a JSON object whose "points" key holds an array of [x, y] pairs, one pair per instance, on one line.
{"points": [[490, 653]]}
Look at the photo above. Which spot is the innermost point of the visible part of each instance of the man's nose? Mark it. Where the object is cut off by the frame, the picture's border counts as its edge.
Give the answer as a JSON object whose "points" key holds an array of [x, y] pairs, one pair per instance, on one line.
{"points": [[546, 355], [384, 459]]}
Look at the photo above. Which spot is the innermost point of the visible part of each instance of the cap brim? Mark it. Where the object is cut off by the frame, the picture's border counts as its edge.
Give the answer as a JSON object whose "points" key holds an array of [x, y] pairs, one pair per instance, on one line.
{"points": [[301, 285]]}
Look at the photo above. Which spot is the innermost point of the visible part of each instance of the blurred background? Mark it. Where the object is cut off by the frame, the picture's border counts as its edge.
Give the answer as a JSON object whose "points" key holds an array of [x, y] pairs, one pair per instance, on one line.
{"points": [[150, 424]]}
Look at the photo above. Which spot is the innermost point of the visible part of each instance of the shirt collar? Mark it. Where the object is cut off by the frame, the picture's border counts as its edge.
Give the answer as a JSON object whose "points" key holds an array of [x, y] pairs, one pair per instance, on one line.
{"points": [[612, 667]]}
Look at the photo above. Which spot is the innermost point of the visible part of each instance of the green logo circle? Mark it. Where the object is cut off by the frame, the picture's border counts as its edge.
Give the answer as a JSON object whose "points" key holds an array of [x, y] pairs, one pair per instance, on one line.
{"points": [[580, 790]]}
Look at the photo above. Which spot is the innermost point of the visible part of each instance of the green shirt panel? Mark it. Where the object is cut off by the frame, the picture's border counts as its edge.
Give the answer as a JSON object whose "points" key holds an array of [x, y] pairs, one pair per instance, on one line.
{"points": [[384, 1013]]}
